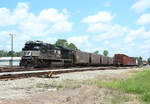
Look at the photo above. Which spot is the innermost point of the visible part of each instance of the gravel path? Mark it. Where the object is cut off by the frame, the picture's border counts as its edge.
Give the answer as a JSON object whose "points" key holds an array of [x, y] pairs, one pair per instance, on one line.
{"points": [[25, 88]]}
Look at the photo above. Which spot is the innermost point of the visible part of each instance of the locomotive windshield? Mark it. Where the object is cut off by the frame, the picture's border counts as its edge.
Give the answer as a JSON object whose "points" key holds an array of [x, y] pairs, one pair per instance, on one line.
{"points": [[32, 47], [37, 45]]}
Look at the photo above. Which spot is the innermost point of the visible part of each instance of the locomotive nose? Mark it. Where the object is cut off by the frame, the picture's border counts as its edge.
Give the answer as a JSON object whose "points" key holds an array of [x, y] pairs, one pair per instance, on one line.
{"points": [[27, 53]]}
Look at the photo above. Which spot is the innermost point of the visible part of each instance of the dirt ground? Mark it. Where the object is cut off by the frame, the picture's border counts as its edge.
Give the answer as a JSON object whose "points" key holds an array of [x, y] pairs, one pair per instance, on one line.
{"points": [[67, 89]]}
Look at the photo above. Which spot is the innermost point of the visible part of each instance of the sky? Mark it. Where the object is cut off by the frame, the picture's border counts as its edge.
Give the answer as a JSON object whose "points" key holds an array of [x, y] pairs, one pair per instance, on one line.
{"points": [[119, 26]]}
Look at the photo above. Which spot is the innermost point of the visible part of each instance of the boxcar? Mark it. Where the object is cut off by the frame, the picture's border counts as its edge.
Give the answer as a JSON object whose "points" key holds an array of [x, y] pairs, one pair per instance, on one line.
{"points": [[95, 59], [104, 60], [81, 58], [124, 60], [110, 61], [144, 63]]}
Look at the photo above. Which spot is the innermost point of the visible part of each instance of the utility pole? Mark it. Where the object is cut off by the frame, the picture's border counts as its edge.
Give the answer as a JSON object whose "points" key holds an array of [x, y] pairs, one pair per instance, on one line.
{"points": [[11, 61]]}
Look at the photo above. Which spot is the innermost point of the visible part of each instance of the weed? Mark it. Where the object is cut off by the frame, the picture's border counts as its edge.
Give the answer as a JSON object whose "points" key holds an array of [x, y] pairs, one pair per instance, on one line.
{"points": [[59, 86], [139, 84]]}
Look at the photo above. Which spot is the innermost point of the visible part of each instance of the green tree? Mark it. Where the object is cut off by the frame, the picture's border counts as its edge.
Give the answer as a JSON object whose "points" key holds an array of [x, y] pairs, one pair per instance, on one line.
{"points": [[3, 53], [140, 59], [96, 52], [105, 53], [10, 53], [61, 42], [17, 54], [148, 60], [72, 46]]}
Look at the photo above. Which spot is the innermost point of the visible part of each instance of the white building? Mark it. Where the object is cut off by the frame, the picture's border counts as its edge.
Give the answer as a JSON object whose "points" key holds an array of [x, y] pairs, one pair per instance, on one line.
{"points": [[5, 61]]}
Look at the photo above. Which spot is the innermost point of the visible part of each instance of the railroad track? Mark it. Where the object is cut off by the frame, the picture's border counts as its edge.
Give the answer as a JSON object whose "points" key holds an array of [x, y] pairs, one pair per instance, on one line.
{"points": [[48, 73], [18, 69]]}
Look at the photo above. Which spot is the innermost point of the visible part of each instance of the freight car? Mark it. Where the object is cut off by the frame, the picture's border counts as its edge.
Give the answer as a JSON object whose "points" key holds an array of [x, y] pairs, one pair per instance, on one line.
{"points": [[144, 63], [124, 60], [81, 58], [39, 54]]}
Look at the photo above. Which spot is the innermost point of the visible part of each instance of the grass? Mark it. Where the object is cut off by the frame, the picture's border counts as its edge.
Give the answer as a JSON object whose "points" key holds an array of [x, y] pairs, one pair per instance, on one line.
{"points": [[58, 86], [139, 84]]}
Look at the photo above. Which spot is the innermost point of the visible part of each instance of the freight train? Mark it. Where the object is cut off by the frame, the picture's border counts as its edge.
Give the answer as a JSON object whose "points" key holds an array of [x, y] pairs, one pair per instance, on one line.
{"points": [[40, 54]]}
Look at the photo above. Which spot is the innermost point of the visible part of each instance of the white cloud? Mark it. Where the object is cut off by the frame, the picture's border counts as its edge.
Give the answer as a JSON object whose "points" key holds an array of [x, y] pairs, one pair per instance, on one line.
{"points": [[3, 34], [5, 17], [141, 5], [128, 39], [49, 40], [8, 47], [52, 15], [116, 31], [48, 21], [98, 27], [101, 24], [106, 42], [144, 19], [61, 27], [140, 33], [106, 30], [80, 41], [100, 17], [23, 38], [0, 47], [8, 17], [107, 4]]}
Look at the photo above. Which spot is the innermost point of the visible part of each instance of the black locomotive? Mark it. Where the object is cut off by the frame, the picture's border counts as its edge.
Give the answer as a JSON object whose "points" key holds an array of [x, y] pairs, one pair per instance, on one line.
{"points": [[39, 54]]}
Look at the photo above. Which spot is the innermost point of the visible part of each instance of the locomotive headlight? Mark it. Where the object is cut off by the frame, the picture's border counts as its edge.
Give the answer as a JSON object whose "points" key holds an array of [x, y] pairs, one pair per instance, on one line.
{"points": [[37, 47]]}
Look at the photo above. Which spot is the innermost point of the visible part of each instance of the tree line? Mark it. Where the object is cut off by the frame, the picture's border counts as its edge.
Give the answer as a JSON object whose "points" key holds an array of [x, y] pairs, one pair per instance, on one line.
{"points": [[9, 53]]}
